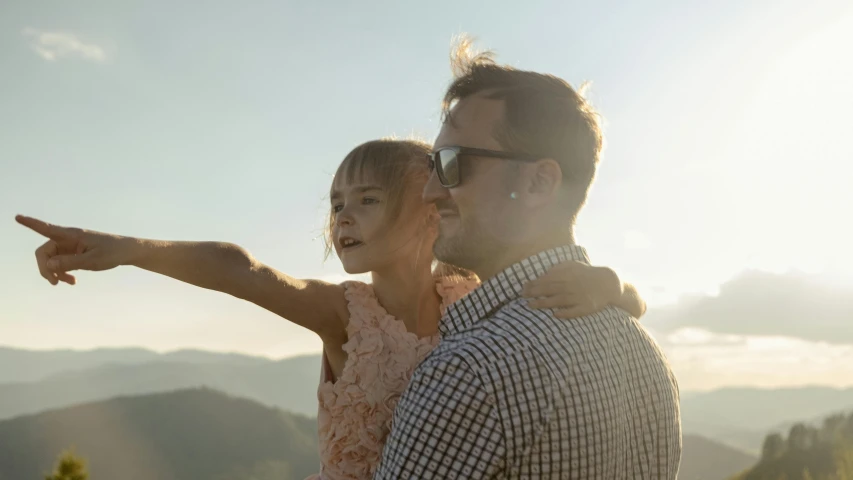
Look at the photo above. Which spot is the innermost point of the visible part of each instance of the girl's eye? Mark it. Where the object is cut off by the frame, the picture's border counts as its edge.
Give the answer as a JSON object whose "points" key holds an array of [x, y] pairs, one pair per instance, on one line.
{"points": [[337, 208], [369, 200]]}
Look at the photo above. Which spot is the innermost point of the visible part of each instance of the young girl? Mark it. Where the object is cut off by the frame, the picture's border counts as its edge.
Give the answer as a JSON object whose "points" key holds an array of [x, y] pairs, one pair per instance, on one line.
{"points": [[374, 335]]}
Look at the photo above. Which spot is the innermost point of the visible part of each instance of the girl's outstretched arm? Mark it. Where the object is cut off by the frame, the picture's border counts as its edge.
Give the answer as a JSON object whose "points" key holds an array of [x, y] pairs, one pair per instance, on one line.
{"points": [[224, 267]]}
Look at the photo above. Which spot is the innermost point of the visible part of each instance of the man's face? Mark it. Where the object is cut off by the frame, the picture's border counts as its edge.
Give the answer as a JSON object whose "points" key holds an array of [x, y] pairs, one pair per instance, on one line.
{"points": [[477, 216]]}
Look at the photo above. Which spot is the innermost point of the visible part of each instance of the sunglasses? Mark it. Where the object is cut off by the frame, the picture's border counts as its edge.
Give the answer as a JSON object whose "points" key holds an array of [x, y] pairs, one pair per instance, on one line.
{"points": [[445, 161]]}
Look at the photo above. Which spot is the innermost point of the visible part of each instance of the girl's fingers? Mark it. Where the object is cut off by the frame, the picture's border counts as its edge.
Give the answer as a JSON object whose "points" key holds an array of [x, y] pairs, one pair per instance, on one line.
{"points": [[43, 255], [67, 278], [43, 228]]}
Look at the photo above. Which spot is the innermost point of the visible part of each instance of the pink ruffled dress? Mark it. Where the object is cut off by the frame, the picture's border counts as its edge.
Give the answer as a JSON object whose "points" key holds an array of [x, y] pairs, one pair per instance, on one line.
{"points": [[355, 411]]}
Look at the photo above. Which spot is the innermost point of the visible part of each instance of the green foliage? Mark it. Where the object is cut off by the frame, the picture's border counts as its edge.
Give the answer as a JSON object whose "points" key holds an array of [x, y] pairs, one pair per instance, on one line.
{"points": [[808, 453], [773, 448], [69, 467]]}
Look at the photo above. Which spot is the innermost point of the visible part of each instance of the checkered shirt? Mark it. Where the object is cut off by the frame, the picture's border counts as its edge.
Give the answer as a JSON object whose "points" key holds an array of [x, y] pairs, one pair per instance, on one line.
{"points": [[512, 392]]}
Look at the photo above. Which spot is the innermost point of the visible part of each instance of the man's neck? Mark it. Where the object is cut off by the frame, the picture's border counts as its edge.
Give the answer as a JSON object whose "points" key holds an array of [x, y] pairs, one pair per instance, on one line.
{"points": [[510, 255]]}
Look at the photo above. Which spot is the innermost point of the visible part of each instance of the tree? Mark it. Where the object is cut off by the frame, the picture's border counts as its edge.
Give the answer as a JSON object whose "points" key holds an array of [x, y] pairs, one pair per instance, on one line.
{"points": [[844, 463], [833, 426], [69, 467], [773, 448], [809, 453], [798, 438]]}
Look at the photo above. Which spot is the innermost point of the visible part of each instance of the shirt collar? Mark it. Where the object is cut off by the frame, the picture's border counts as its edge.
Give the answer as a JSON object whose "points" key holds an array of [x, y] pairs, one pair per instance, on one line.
{"points": [[504, 287]]}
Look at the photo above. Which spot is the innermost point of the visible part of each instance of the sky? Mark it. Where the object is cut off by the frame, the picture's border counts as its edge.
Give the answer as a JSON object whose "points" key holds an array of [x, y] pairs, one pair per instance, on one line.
{"points": [[725, 175]]}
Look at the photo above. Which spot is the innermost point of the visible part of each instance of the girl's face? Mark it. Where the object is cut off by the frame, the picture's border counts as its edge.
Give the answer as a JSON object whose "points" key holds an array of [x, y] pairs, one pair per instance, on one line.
{"points": [[365, 239]]}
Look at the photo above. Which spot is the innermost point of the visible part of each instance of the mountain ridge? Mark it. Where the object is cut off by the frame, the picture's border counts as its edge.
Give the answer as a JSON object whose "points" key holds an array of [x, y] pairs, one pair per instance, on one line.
{"points": [[198, 433]]}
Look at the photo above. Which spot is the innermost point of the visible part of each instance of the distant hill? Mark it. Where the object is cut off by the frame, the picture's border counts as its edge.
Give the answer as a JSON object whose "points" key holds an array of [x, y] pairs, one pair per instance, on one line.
{"points": [[706, 459], [290, 384], [203, 434], [195, 434], [741, 417], [32, 365]]}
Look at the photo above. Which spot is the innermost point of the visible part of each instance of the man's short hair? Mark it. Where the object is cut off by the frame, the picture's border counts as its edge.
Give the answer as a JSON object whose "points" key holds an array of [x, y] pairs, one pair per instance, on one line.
{"points": [[544, 115]]}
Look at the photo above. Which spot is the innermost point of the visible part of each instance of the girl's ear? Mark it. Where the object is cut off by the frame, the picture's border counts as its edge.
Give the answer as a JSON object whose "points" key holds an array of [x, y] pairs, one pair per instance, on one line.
{"points": [[432, 219]]}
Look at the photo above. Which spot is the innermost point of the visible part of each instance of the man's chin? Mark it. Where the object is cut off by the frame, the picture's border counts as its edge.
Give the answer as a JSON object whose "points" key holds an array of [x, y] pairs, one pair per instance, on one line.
{"points": [[446, 250], [449, 230]]}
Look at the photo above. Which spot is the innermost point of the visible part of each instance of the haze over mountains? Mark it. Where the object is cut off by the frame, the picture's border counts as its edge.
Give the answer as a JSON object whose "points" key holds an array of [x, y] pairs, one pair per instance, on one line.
{"points": [[290, 384], [739, 417], [18, 365], [706, 459]]}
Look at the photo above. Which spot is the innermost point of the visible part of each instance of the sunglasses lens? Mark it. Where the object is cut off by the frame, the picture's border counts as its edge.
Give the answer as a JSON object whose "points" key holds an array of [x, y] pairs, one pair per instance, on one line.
{"points": [[448, 167]]}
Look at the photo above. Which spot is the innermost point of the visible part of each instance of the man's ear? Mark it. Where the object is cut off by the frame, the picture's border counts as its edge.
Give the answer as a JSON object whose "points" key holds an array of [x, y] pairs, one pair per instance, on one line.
{"points": [[545, 177]]}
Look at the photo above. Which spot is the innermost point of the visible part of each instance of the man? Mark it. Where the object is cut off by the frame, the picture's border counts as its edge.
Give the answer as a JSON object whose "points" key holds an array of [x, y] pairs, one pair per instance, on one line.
{"points": [[512, 392]]}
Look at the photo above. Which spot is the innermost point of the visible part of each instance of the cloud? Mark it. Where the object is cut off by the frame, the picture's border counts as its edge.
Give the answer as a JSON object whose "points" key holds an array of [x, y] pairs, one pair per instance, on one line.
{"points": [[792, 363], [766, 304], [691, 336], [55, 45]]}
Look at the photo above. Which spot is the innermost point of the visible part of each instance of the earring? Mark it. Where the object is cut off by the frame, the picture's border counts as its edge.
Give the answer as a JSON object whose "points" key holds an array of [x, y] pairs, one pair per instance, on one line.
{"points": [[513, 195]]}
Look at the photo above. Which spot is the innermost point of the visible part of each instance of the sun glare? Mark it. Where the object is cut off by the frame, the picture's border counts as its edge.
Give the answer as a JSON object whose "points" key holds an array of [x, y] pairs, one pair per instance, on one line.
{"points": [[794, 153]]}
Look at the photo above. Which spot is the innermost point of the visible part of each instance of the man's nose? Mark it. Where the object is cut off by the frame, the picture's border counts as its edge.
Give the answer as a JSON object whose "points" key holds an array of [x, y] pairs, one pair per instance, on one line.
{"points": [[433, 191]]}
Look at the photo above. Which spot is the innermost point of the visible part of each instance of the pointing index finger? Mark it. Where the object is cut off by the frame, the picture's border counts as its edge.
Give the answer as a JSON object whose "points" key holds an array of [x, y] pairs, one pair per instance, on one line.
{"points": [[40, 227]]}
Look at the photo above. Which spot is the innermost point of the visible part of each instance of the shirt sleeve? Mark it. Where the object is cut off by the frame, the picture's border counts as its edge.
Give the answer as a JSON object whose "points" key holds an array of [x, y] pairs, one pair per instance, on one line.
{"points": [[445, 426]]}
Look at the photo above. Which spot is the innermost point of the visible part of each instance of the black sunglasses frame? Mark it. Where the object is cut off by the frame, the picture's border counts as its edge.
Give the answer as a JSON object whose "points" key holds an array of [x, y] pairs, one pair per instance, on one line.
{"points": [[432, 164]]}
